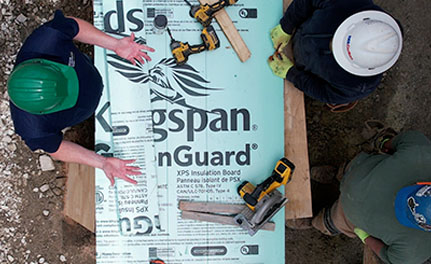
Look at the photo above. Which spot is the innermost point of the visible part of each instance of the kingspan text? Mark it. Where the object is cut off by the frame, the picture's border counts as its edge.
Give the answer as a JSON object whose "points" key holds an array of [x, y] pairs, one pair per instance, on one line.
{"points": [[195, 121]]}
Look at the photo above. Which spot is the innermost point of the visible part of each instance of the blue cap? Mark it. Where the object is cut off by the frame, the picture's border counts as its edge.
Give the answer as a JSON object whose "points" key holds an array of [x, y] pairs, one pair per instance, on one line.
{"points": [[413, 206]]}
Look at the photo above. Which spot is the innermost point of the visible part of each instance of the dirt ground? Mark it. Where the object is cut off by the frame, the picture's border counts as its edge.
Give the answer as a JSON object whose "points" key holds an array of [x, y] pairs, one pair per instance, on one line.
{"points": [[32, 227]]}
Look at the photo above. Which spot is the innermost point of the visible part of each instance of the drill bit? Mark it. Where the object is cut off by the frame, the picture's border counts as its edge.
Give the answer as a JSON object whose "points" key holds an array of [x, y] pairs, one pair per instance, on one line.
{"points": [[188, 3], [170, 34]]}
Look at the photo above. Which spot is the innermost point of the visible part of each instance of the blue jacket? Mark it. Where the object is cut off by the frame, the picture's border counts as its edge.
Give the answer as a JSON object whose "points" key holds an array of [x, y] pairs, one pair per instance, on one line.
{"points": [[316, 72], [54, 41]]}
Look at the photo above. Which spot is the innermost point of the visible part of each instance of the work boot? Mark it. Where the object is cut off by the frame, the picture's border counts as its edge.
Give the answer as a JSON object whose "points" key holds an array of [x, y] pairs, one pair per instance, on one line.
{"points": [[341, 108], [375, 133], [323, 174], [341, 171], [300, 224]]}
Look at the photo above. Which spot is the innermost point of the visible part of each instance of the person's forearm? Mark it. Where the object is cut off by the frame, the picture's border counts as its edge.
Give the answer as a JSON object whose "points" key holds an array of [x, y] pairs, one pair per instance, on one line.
{"points": [[312, 85], [375, 244], [90, 35], [297, 13], [74, 153]]}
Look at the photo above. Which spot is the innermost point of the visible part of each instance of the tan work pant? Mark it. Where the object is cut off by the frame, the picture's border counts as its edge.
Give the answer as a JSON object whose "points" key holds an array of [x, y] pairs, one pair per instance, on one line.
{"points": [[339, 220], [336, 213]]}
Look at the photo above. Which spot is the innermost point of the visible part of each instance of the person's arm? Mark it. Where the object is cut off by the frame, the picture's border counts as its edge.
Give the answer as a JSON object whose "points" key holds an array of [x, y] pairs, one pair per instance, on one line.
{"points": [[298, 12], [314, 86], [405, 139], [375, 244], [125, 47], [113, 167]]}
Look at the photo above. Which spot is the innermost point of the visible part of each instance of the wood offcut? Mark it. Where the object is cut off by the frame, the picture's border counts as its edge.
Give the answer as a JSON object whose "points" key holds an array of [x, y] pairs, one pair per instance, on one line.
{"points": [[231, 32], [215, 213]]}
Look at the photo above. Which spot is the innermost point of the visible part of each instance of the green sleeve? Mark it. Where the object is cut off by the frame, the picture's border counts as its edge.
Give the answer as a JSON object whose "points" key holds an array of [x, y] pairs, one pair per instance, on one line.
{"points": [[408, 139]]}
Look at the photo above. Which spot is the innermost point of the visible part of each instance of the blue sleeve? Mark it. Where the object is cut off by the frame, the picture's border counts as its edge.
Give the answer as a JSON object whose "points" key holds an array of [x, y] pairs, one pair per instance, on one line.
{"points": [[298, 12], [49, 143], [314, 86], [68, 26]]}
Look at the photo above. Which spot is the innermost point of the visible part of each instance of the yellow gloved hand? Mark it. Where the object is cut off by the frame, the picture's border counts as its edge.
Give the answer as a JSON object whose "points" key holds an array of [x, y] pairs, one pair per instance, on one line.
{"points": [[279, 37], [280, 64], [361, 234]]}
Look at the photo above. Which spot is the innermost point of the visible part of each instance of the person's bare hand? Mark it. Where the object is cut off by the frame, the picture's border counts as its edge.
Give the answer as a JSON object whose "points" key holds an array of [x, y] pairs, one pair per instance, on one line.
{"points": [[128, 49], [118, 168]]}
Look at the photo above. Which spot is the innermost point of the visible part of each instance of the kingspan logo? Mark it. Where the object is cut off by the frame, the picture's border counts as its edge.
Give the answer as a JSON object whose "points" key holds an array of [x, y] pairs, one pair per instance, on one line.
{"points": [[169, 81], [177, 84]]}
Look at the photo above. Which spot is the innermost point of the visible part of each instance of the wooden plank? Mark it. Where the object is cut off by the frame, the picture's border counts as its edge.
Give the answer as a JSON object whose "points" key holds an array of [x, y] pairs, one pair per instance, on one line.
{"points": [[219, 219], [298, 190], [211, 207], [79, 200], [231, 32], [370, 257]]}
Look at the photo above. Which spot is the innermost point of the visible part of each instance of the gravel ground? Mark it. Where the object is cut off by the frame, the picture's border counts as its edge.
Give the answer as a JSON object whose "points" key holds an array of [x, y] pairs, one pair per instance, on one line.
{"points": [[32, 227]]}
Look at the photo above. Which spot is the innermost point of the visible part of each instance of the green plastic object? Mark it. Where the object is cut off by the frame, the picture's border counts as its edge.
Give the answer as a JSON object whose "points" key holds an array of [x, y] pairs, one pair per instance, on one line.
{"points": [[40, 86]]}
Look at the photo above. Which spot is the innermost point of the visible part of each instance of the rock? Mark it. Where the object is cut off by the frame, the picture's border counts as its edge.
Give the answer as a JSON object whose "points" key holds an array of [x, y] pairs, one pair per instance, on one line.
{"points": [[62, 258], [46, 163], [60, 182], [45, 212], [21, 18], [57, 191], [36, 190], [41, 260], [10, 258], [11, 147], [44, 188], [7, 139]]}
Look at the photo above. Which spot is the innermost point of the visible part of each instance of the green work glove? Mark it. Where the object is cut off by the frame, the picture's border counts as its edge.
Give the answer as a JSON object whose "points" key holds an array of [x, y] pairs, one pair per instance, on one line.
{"points": [[279, 37], [382, 137], [279, 64], [361, 234]]}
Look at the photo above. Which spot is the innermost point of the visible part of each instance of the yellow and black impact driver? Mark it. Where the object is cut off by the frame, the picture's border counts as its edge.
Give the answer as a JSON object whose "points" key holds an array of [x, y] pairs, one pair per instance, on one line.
{"points": [[264, 200], [181, 51], [205, 13]]}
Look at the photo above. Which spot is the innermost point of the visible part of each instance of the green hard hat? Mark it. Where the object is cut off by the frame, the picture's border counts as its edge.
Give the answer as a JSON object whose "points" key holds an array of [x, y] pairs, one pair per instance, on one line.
{"points": [[40, 86]]}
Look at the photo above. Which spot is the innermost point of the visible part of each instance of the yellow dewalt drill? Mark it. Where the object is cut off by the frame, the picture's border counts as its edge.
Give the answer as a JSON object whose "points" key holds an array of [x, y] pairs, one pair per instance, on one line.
{"points": [[204, 13], [182, 50], [264, 200]]}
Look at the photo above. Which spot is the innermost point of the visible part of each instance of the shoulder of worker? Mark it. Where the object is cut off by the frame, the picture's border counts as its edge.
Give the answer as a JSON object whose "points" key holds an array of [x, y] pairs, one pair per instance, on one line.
{"points": [[331, 13], [58, 29], [68, 26], [37, 131], [411, 138], [49, 39]]}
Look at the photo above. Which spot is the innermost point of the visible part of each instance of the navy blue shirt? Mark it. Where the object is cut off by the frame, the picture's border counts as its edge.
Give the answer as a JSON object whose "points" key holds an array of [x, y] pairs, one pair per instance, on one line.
{"points": [[54, 41], [316, 71]]}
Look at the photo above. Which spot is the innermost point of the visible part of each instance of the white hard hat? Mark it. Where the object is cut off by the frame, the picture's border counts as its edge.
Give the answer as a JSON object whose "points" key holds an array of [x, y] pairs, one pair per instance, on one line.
{"points": [[367, 43]]}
